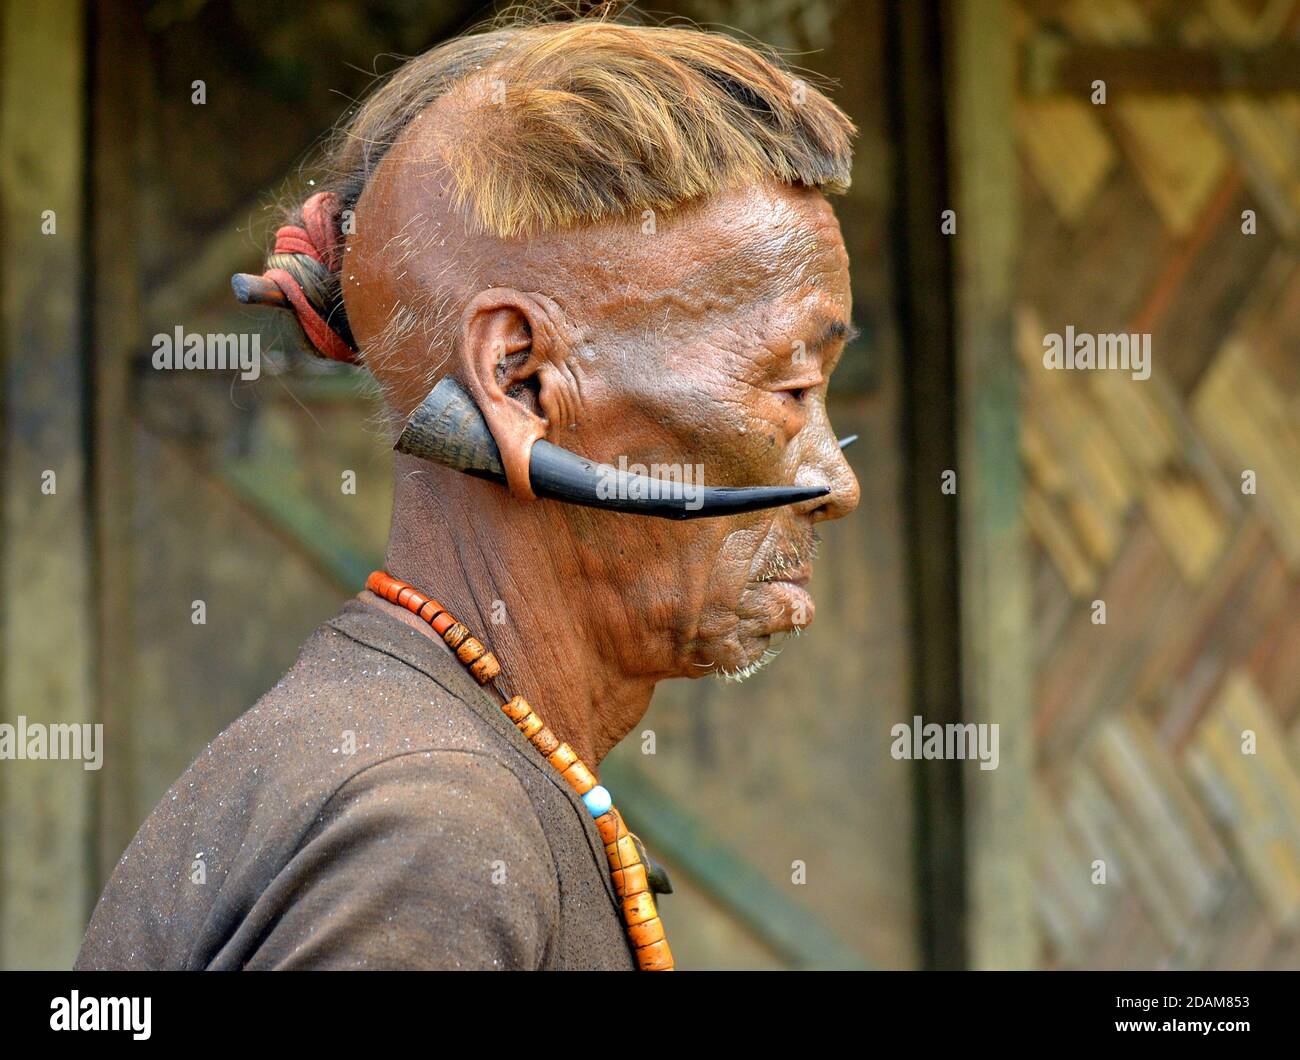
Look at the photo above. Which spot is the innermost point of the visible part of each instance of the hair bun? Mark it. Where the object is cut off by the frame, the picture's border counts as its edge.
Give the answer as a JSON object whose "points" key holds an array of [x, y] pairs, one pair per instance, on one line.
{"points": [[303, 271]]}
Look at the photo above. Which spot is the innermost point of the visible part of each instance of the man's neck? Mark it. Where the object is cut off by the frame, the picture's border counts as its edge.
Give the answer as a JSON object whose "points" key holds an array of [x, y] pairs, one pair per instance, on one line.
{"points": [[530, 616]]}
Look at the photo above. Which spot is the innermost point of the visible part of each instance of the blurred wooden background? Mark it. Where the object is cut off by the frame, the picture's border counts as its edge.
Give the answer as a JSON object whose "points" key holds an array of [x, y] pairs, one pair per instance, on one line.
{"points": [[1118, 742], [1133, 217]]}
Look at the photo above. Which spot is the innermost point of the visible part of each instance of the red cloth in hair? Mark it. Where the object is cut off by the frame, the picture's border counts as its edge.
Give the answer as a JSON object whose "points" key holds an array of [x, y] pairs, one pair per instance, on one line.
{"points": [[316, 238]]}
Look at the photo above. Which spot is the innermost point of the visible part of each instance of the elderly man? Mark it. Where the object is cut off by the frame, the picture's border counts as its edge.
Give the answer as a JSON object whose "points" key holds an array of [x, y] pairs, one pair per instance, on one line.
{"points": [[591, 265]]}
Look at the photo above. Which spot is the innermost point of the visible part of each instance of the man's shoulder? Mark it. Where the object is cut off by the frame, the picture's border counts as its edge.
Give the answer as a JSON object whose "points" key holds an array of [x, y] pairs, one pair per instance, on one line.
{"points": [[425, 859], [364, 690], [376, 732]]}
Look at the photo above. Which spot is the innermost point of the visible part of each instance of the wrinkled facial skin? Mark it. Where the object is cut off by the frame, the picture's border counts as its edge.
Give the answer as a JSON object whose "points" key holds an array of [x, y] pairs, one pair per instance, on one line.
{"points": [[709, 341], [724, 349]]}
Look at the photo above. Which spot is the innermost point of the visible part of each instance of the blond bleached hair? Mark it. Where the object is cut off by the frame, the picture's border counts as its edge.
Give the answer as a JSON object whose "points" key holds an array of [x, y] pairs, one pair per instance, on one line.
{"points": [[574, 122]]}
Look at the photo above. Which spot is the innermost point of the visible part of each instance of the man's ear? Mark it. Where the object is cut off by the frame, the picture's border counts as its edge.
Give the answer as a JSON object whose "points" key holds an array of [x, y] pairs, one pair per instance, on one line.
{"points": [[507, 338]]}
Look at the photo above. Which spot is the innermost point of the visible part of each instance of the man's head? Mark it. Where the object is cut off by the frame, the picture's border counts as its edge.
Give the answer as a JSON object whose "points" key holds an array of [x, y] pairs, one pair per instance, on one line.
{"points": [[615, 238]]}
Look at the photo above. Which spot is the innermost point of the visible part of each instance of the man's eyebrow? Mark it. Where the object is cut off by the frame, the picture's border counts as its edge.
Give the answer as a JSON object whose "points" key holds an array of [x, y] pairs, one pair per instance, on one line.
{"points": [[834, 331]]}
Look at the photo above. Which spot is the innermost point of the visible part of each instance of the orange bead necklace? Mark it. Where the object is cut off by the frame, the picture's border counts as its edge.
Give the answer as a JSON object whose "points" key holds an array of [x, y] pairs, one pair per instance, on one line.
{"points": [[645, 931]]}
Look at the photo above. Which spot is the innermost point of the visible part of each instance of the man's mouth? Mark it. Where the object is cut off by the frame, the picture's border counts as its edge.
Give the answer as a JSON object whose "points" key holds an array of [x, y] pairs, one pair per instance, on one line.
{"points": [[794, 575], [787, 573], [791, 585]]}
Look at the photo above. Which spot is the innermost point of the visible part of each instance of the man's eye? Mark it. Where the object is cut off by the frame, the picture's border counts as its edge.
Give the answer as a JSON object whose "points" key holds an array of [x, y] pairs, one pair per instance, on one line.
{"points": [[798, 393]]}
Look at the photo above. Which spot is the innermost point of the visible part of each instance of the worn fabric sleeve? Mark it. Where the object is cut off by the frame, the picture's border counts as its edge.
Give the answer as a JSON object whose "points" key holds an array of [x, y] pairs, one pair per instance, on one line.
{"points": [[428, 860]]}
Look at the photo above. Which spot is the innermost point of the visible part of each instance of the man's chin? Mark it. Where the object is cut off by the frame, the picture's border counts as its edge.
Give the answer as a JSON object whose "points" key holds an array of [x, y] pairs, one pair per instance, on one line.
{"points": [[749, 664], [744, 658], [767, 613]]}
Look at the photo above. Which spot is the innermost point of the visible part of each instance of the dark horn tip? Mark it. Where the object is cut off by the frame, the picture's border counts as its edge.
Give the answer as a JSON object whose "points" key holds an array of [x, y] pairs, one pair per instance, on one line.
{"points": [[257, 290], [848, 440]]}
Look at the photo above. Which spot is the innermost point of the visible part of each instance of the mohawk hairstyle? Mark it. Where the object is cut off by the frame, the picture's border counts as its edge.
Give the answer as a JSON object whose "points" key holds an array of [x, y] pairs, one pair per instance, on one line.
{"points": [[579, 121]]}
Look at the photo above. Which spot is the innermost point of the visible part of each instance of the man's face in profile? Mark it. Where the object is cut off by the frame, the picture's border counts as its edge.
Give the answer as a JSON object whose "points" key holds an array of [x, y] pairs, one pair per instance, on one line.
{"points": [[715, 349]]}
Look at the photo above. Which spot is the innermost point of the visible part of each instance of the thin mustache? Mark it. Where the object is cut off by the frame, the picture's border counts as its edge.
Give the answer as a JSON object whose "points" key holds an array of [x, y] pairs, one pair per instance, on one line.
{"points": [[791, 558]]}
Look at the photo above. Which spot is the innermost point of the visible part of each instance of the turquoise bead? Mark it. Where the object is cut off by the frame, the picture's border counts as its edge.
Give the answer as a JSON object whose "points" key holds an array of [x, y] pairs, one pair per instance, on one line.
{"points": [[598, 801]]}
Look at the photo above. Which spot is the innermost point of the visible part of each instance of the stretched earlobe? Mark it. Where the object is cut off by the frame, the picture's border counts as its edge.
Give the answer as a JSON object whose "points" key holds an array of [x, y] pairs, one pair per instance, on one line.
{"points": [[509, 337], [487, 341]]}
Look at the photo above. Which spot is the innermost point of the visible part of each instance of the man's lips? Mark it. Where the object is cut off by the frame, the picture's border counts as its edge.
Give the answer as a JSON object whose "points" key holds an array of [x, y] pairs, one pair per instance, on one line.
{"points": [[795, 576], [792, 585]]}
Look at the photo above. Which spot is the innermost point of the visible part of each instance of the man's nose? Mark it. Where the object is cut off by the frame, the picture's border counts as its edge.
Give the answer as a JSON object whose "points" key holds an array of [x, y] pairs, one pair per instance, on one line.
{"points": [[827, 466]]}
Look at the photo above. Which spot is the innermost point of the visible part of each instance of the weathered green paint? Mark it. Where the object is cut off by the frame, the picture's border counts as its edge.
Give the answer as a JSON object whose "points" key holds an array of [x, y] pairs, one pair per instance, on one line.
{"points": [[45, 586], [682, 838], [311, 530], [995, 591]]}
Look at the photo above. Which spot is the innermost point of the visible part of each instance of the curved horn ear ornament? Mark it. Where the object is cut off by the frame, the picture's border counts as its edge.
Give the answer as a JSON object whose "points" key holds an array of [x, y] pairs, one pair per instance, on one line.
{"points": [[449, 429]]}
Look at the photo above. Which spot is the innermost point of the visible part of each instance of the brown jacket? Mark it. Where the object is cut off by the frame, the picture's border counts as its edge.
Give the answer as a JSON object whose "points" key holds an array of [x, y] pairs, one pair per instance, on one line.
{"points": [[443, 841]]}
